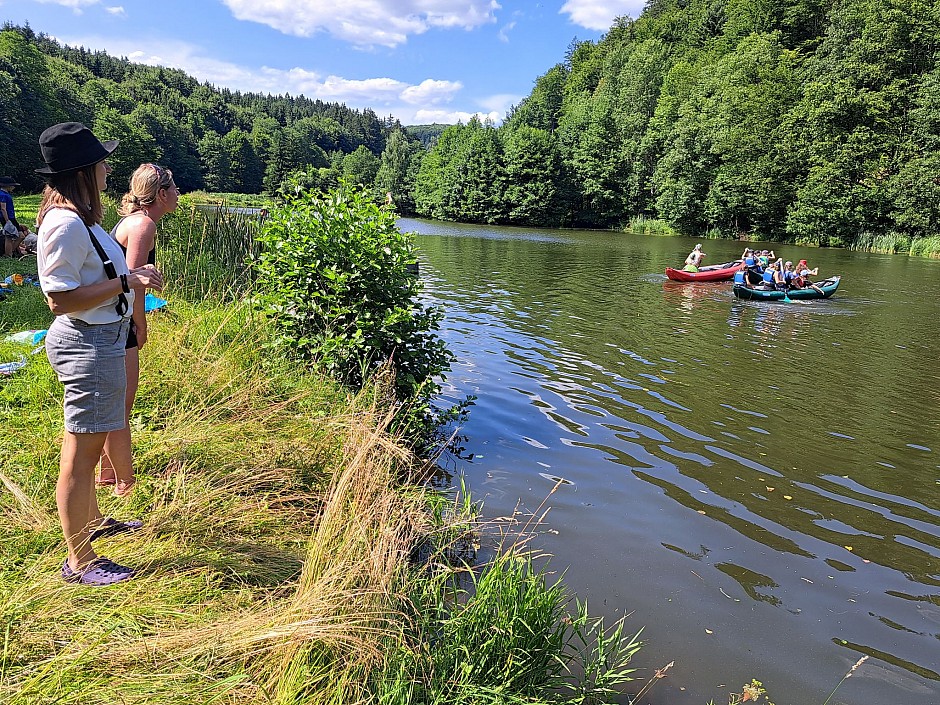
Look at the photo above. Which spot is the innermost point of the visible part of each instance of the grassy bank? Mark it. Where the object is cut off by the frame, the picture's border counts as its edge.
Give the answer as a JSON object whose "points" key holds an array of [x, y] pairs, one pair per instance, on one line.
{"points": [[291, 551]]}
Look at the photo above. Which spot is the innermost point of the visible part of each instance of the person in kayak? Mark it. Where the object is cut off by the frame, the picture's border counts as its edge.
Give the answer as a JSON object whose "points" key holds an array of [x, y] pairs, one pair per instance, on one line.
{"points": [[694, 260], [779, 277]]}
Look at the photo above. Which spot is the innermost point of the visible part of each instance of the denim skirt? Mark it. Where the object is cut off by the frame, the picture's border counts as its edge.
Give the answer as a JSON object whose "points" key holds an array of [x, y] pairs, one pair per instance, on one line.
{"points": [[89, 360]]}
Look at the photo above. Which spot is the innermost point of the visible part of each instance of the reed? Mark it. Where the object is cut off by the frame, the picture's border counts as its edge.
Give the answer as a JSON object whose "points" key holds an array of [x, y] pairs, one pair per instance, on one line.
{"points": [[926, 246], [888, 243], [642, 225], [205, 250]]}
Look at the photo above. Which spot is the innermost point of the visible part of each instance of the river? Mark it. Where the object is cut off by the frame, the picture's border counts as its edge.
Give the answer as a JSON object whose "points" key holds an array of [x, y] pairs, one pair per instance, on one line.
{"points": [[756, 485]]}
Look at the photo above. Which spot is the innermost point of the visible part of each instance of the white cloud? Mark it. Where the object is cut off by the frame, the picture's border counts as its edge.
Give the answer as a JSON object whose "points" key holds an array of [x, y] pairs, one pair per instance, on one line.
{"points": [[423, 117], [117, 11], [407, 102], [599, 14], [500, 103], [431, 92], [75, 5], [504, 31], [365, 23]]}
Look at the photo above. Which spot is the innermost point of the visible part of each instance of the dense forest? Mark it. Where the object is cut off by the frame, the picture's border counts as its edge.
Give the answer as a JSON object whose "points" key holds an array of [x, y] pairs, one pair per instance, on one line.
{"points": [[796, 120], [212, 139]]}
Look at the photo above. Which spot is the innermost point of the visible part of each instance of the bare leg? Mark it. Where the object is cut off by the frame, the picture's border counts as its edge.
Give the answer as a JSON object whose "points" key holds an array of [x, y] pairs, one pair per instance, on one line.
{"points": [[10, 245], [117, 463], [74, 493]]}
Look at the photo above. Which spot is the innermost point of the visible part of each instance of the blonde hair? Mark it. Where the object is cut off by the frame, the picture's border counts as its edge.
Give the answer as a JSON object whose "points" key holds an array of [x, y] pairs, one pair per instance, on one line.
{"points": [[145, 183], [76, 191]]}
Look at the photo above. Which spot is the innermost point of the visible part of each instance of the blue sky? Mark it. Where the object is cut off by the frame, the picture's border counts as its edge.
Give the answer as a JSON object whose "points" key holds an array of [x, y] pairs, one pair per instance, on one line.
{"points": [[422, 61]]}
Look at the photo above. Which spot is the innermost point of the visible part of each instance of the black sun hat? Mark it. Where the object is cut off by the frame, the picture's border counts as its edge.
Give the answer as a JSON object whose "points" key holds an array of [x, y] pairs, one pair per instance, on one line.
{"points": [[69, 146], [8, 181]]}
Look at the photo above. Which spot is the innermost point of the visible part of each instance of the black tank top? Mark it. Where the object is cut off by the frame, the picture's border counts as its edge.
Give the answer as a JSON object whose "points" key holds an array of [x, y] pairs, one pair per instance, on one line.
{"points": [[151, 256]]}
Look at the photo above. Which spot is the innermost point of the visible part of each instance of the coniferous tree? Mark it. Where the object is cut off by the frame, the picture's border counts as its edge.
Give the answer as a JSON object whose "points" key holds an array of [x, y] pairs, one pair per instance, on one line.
{"points": [[396, 174]]}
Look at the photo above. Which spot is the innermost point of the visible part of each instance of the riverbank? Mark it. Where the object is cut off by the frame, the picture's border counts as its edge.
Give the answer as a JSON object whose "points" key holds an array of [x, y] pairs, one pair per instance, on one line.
{"points": [[291, 551], [888, 244], [891, 243]]}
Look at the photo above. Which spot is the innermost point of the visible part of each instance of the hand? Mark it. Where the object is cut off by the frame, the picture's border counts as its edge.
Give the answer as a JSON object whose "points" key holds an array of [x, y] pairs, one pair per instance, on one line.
{"points": [[146, 277]]}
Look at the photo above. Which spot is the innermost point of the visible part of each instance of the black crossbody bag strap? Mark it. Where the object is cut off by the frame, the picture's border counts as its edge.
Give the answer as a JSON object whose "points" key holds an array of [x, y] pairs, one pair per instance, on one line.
{"points": [[109, 269]]}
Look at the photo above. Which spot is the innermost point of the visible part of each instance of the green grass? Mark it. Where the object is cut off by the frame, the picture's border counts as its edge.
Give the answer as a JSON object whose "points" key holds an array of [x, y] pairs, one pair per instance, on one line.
{"points": [[926, 247], [888, 243], [26, 208], [642, 225], [231, 200], [278, 562]]}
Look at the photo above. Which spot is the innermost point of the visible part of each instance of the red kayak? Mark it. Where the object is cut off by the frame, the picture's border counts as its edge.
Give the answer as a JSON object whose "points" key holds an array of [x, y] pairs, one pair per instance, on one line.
{"points": [[712, 273]]}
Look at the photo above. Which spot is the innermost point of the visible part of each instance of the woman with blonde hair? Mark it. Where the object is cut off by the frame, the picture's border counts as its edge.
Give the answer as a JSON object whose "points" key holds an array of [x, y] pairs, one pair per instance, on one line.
{"points": [[91, 291], [152, 195]]}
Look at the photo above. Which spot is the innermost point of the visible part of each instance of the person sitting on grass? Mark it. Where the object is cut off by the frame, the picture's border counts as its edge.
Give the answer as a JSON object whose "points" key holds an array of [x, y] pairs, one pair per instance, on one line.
{"points": [[13, 232], [28, 246]]}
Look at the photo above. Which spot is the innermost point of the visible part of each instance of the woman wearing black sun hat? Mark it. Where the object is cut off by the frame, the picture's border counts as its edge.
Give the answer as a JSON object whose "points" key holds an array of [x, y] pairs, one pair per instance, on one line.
{"points": [[90, 290]]}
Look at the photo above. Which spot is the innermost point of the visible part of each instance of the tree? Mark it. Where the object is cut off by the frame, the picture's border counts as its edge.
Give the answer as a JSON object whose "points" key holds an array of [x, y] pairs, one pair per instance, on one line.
{"points": [[360, 167], [137, 145], [176, 146], [395, 175], [739, 129], [246, 172], [542, 109], [28, 103], [431, 187], [281, 161], [216, 164], [914, 192], [533, 176]]}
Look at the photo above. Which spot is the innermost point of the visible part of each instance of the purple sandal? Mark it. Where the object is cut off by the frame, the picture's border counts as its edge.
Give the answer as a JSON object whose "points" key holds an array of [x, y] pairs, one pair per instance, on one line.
{"points": [[99, 572], [111, 527]]}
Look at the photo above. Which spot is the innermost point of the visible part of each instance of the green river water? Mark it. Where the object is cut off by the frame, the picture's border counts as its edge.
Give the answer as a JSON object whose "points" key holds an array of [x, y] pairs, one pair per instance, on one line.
{"points": [[757, 485]]}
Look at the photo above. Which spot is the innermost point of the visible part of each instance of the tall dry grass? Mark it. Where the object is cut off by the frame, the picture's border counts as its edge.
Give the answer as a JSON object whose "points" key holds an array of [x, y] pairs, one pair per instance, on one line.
{"points": [[278, 562], [275, 531]]}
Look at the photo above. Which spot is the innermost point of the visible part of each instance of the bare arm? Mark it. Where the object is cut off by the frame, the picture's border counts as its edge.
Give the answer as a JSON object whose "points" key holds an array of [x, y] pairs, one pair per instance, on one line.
{"points": [[86, 297]]}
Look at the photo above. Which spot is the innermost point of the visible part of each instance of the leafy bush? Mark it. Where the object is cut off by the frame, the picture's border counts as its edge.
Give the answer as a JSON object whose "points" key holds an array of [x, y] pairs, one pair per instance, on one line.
{"points": [[334, 274]]}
